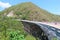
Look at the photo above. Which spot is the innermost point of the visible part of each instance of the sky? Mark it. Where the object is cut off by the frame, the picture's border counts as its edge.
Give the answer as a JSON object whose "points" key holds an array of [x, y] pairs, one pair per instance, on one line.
{"points": [[52, 6]]}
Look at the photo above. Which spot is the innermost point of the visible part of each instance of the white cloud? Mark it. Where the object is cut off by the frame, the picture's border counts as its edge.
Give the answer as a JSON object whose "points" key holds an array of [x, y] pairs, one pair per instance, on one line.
{"points": [[4, 5]]}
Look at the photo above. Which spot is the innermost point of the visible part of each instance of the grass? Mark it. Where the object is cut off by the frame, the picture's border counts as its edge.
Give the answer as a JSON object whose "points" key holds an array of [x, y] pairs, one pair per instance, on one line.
{"points": [[29, 37]]}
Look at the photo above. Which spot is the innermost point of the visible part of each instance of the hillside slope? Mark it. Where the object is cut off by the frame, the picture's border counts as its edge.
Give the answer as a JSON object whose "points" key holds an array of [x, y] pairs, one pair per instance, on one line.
{"points": [[30, 11]]}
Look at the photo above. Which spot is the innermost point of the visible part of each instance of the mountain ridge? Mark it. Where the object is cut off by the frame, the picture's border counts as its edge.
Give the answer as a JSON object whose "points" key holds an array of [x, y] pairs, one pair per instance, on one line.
{"points": [[29, 11]]}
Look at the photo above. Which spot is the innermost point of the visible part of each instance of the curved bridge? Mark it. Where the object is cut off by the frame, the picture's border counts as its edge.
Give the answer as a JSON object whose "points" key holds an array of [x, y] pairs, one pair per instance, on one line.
{"points": [[41, 30]]}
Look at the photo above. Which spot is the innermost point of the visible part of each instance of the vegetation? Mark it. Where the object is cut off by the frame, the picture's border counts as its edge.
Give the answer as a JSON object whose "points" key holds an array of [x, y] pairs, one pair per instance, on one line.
{"points": [[16, 35], [29, 37], [11, 27], [30, 11]]}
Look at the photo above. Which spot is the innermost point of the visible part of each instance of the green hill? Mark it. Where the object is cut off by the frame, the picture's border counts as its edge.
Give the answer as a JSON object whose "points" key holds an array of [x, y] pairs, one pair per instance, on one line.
{"points": [[30, 11]]}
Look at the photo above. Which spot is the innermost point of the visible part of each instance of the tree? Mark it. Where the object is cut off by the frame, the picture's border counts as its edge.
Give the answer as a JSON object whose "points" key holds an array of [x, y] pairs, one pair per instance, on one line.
{"points": [[16, 35]]}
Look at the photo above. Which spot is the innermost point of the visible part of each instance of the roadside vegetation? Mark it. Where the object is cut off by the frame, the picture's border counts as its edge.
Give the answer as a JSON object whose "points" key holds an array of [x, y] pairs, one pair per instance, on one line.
{"points": [[11, 29]]}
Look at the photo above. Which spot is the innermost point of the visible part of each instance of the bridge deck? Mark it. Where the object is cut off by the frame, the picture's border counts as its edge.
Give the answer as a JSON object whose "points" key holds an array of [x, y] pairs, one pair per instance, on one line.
{"points": [[52, 24], [52, 30]]}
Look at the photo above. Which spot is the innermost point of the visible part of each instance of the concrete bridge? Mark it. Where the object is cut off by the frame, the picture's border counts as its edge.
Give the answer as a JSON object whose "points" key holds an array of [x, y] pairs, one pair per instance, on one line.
{"points": [[42, 30]]}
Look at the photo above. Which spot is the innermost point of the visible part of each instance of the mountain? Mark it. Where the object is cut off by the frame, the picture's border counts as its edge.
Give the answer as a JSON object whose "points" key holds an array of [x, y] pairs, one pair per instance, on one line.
{"points": [[30, 11]]}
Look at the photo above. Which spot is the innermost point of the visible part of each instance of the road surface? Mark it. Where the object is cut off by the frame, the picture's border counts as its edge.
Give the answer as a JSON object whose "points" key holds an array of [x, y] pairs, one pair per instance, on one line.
{"points": [[52, 30]]}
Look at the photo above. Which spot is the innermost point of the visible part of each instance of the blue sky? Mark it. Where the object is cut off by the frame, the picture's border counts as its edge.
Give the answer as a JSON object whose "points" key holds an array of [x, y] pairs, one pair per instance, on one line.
{"points": [[52, 6]]}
